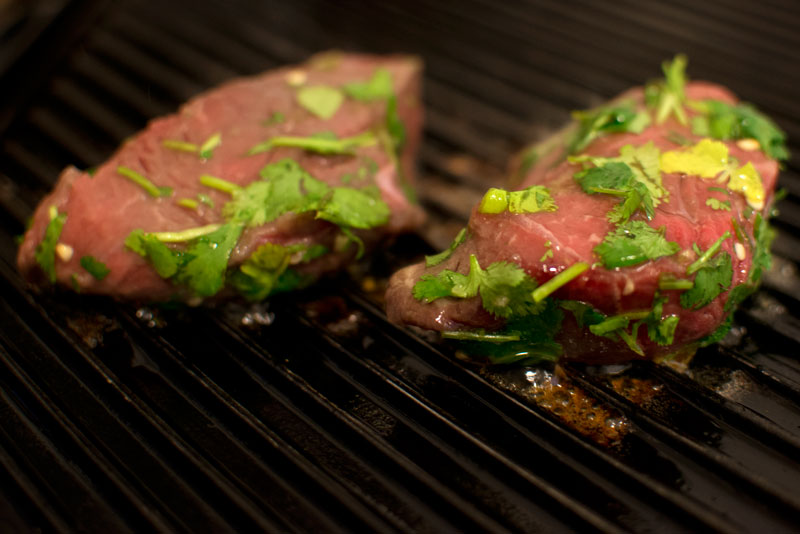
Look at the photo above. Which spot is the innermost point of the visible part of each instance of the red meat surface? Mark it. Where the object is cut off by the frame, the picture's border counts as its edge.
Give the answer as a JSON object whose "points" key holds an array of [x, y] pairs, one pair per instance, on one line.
{"points": [[579, 225], [103, 209]]}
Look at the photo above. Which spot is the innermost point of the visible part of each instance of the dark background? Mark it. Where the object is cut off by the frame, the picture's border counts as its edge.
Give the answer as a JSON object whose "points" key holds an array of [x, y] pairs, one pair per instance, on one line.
{"points": [[312, 413]]}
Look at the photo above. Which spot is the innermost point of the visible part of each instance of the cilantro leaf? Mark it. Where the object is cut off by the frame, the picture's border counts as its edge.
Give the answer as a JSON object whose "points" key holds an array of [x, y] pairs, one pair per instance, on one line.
{"points": [[668, 96], [532, 199], [258, 275], [717, 204], [395, 125], [613, 176], [354, 208], [505, 288], [436, 259], [601, 121], [711, 280], [95, 267], [325, 143], [164, 260], [378, 87], [206, 259], [321, 100], [585, 314], [660, 329], [45, 254], [741, 121], [632, 243], [528, 340]]}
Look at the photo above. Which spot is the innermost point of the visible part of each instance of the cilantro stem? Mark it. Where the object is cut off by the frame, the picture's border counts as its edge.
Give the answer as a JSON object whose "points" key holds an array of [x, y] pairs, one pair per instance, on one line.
{"points": [[207, 148], [321, 145], [219, 184], [708, 254], [675, 283], [185, 235], [480, 336], [562, 278], [182, 146], [144, 183], [188, 203]]}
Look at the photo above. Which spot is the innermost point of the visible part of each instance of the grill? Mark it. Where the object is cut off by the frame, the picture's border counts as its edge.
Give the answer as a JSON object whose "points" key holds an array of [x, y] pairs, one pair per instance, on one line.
{"points": [[312, 412]]}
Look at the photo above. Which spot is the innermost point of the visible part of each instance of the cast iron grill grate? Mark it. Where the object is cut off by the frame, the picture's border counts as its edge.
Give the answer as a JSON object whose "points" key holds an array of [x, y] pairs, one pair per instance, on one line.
{"points": [[314, 413]]}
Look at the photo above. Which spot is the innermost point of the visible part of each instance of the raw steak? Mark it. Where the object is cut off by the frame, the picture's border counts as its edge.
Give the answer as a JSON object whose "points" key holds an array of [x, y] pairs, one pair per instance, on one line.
{"points": [[337, 124], [706, 242]]}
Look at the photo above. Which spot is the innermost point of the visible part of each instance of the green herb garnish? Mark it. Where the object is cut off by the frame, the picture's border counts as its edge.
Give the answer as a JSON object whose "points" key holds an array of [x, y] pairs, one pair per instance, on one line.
{"points": [[378, 87], [321, 100], [561, 279], [712, 278], [668, 96], [504, 287], [632, 243], [45, 254], [207, 148], [530, 200], [276, 118], [95, 267], [613, 118], [741, 121], [707, 255], [180, 146], [327, 144], [152, 189], [436, 259], [719, 205], [219, 184]]}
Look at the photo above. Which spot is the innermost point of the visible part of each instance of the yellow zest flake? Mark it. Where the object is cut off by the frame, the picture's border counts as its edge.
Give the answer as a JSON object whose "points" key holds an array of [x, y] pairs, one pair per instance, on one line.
{"points": [[706, 159], [747, 181]]}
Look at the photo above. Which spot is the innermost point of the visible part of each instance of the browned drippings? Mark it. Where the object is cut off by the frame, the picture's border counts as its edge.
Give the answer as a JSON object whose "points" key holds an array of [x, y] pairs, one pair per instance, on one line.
{"points": [[555, 393], [90, 327], [640, 392]]}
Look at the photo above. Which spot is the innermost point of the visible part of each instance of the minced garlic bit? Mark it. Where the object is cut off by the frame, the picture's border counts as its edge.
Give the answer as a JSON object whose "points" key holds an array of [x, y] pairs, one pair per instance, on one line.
{"points": [[629, 287], [748, 144], [741, 253], [64, 252], [296, 77]]}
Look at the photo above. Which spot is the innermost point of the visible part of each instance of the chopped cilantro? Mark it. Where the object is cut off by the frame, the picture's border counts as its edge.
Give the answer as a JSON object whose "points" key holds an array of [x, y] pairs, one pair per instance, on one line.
{"points": [[321, 100], [549, 253], [378, 87], [741, 121], [46, 250], [95, 267], [354, 208], [180, 146], [668, 96], [559, 280], [327, 144], [584, 313], [204, 262], [207, 148], [219, 184], [601, 121], [721, 331], [530, 200], [188, 203], [257, 277], [395, 126], [436, 259], [720, 205], [505, 288], [634, 176], [711, 279], [527, 340], [276, 118], [708, 254], [164, 260], [152, 189], [632, 243]]}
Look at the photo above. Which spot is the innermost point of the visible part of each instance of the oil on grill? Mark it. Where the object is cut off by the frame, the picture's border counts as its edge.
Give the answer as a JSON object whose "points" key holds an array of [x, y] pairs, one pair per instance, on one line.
{"points": [[312, 413]]}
